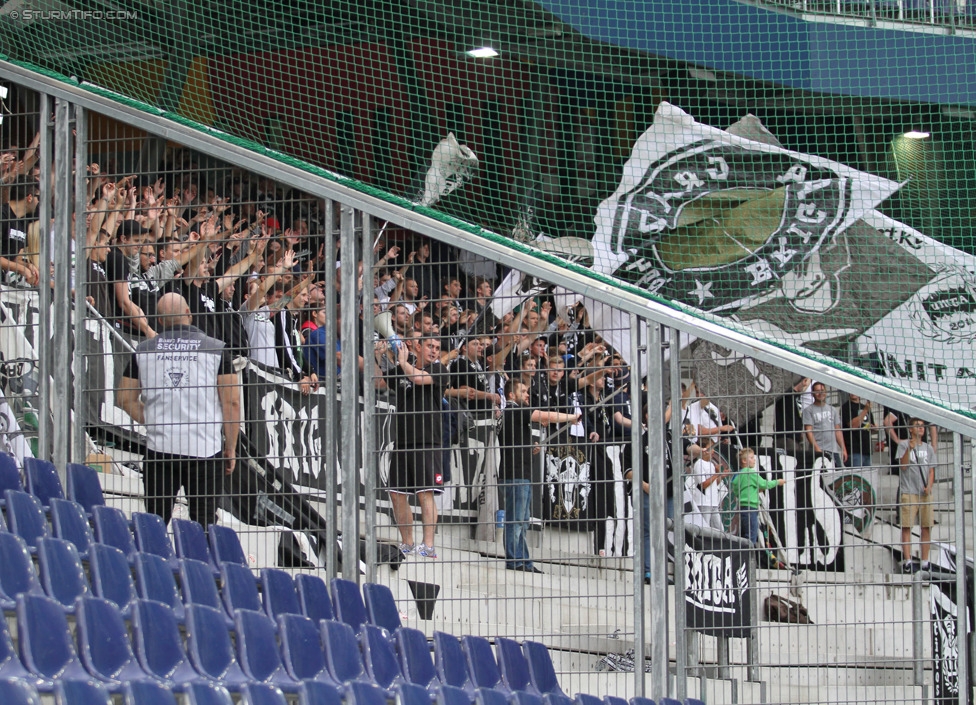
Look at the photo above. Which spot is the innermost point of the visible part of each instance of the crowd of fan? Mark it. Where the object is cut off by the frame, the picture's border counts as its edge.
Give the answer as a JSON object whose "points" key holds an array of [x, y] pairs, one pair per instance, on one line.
{"points": [[250, 261]]}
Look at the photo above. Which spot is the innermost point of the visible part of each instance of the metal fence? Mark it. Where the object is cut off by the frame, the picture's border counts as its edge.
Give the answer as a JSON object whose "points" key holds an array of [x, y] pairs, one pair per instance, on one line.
{"points": [[436, 379]]}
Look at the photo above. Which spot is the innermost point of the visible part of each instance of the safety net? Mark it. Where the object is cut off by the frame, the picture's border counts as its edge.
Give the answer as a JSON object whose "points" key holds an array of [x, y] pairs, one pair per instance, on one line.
{"points": [[801, 168]]}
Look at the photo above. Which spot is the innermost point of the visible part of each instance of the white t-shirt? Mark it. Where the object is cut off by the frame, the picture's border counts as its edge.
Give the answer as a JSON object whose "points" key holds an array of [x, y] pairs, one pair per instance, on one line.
{"points": [[259, 325], [698, 416]]}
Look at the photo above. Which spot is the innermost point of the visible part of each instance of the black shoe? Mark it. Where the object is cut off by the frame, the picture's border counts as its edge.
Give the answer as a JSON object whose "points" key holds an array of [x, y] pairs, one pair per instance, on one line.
{"points": [[531, 569]]}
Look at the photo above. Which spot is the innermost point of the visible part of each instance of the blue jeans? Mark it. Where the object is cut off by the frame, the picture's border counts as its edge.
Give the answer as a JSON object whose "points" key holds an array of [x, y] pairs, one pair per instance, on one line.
{"points": [[517, 495], [859, 460], [749, 524]]}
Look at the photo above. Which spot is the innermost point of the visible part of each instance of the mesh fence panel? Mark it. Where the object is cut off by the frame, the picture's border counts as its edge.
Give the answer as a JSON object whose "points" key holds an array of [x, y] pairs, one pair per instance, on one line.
{"points": [[611, 123]]}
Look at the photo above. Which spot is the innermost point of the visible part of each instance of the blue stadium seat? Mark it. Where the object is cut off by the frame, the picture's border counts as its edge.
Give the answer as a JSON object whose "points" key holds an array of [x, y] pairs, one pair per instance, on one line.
{"points": [[77, 691], [278, 593], [410, 694], [44, 641], [379, 658], [9, 474], [416, 663], [103, 643], [318, 693], [225, 545], [16, 571], [694, 701], [557, 699], [84, 486], [342, 657], [190, 541], [71, 524], [587, 699], [149, 534], [449, 662], [381, 609], [10, 666], [209, 647], [18, 692], [481, 663], [154, 581], [147, 693], [637, 700], [207, 694], [261, 694], [669, 701], [541, 671], [25, 517], [199, 587], [449, 695], [238, 589], [521, 697], [62, 574], [613, 700], [111, 577], [257, 651], [112, 529], [513, 666], [159, 646], [361, 693], [301, 649], [42, 480], [313, 597], [490, 696], [348, 603]]}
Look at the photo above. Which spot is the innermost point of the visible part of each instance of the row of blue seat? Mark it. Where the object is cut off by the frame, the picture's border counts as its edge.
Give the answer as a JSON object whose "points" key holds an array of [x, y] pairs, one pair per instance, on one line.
{"points": [[62, 576], [329, 652], [79, 692], [461, 670], [43, 482], [30, 519]]}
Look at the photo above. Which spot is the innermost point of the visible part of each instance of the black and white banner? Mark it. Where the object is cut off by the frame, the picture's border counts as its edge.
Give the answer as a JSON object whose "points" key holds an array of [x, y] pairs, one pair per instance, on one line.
{"points": [[805, 516], [788, 246], [285, 428], [945, 641], [716, 586]]}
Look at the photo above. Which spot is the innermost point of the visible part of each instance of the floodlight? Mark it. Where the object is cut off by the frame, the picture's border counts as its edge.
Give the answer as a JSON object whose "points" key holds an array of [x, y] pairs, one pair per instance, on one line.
{"points": [[482, 53]]}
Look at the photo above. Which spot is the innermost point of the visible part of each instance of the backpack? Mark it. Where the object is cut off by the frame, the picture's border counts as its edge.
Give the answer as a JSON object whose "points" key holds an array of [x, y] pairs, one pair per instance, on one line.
{"points": [[780, 609]]}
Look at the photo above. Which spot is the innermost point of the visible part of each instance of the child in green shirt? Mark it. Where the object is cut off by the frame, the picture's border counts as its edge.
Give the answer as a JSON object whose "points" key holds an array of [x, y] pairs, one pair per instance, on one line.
{"points": [[746, 486]]}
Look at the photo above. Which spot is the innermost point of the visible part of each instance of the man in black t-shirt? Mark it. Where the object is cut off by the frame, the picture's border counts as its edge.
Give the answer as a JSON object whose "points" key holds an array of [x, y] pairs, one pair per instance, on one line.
{"points": [[515, 473], [129, 316], [855, 417], [788, 420], [16, 216], [479, 441], [416, 466]]}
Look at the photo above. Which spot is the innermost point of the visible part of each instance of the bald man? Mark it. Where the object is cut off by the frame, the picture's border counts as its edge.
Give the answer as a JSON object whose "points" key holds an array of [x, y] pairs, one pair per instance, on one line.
{"points": [[182, 386]]}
